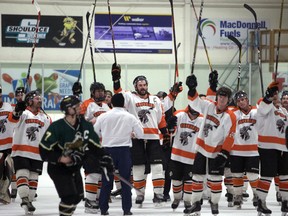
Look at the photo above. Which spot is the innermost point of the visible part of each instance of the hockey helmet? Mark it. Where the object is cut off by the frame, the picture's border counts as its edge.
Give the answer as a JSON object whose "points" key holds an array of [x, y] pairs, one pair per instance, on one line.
{"points": [[97, 86], [224, 91], [139, 78], [19, 90], [239, 94], [68, 101], [30, 96]]}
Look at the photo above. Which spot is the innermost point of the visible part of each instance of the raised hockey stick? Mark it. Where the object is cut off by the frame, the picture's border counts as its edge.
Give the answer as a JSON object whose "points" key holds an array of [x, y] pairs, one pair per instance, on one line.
{"points": [[90, 42], [127, 183], [258, 47], [237, 42], [86, 43], [278, 44], [202, 38], [112, 32], [35, 3], [197, 36]]}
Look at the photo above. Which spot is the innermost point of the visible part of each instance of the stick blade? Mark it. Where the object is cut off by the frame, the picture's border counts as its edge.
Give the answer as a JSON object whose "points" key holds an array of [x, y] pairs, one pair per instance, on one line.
{"points": [[251, 10], [235, 40]]}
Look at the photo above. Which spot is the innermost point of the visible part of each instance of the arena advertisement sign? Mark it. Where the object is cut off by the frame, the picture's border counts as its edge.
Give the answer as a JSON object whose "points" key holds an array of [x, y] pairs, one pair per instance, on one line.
{"points": [[54, 31], [216, 31], [56, 84], [134, 33]]}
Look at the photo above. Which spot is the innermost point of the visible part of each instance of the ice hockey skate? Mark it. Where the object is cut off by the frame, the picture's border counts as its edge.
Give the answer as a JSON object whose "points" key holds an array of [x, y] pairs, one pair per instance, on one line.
{"points": [[262, 209], [230, 199], [91, 206], [214, 209], [116, 193], [238, 201], [255, 200], [13, 194], [193, 210], [175, 204], [27, 206], [139, 200], [158, 200]]}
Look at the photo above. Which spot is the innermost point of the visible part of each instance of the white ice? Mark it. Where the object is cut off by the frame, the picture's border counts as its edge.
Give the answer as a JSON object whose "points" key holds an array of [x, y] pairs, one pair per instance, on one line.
{"points": [[47, 204]]}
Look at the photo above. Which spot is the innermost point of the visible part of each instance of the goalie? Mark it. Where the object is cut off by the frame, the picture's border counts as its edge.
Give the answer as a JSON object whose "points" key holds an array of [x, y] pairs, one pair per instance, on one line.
{"points": [[64, 146]]}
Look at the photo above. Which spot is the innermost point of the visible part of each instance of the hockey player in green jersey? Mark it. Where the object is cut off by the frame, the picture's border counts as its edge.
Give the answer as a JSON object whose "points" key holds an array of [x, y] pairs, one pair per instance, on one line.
{"points": [[64, 146]]}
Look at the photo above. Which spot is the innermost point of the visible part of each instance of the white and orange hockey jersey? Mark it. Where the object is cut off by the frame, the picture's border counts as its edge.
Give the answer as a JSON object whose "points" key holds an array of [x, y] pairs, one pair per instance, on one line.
{"points": [[246, 136], [218, 128], [28, 132], [91, 110], [184, 144], [149, 111], [272, 122], [6, 129]]}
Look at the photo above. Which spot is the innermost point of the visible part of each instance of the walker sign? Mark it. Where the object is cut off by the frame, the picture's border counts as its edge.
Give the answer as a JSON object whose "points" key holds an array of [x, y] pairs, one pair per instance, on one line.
{"points": [[216, 31]]}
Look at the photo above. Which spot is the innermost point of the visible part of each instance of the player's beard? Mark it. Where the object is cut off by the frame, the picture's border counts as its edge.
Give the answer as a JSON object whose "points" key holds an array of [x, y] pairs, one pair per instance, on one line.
{"points": [[142, 92]]}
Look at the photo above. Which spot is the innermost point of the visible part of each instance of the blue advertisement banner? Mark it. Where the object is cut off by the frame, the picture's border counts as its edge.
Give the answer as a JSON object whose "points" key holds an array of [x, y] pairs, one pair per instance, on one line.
{"points": [[57, 84], [134, 33]]}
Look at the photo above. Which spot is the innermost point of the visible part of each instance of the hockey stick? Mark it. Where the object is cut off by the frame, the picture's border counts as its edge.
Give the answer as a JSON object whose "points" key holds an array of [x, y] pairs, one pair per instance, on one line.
{"points": [[258, 47], [35, 3], [86, 43], [202, 38], [112, 32], [278, 44], [197, 36], [90, 43], [236, 41], [127, 183]]}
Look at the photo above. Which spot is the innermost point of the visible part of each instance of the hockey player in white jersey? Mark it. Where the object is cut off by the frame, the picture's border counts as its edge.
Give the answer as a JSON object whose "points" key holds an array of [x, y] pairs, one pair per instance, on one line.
{"points": [[272, 149], [214, 141], [244, 156], [188, 123], [147, 149], [30, 125]]}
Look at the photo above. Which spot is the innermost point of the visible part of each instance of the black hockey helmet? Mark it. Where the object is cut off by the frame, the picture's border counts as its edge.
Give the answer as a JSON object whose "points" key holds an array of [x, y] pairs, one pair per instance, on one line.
{"points": [[30, 96], [68, 101], [97, 86], [161, 94], [19, 90], [284, 93], [239, 94], [224, 91], [139, 78]]}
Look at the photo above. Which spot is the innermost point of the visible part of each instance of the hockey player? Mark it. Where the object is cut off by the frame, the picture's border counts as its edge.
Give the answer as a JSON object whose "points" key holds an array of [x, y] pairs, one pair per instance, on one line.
{"points": [[64, 145], [108, 96], [116, 127], [19, 94], [147, 149], [91, 109], [214, 141], [30, 125], [272, 149], [188, 124], [6, 163], [244, 156]]}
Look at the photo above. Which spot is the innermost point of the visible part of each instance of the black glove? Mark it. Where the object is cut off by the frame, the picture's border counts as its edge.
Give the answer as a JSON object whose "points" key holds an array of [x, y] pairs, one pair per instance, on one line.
{"points": [[166, 141], [213, 80], [271, 91], [172, 123], [221, 159], [77, 88], [107, 162], [76, 156], [20, 107], [191, 82], [116, 72], [176, 89]]}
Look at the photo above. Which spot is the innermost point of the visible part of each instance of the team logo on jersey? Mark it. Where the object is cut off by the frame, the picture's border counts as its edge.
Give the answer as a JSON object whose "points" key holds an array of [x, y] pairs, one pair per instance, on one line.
{"points": [[244, 134], [207, 128], [280, 125], [142, 114], [31, 133], [2, 125], [184, 137]]}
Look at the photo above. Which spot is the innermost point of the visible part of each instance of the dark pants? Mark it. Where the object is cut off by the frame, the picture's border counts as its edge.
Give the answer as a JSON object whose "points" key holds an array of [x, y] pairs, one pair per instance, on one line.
{"points": [[122, 161]]}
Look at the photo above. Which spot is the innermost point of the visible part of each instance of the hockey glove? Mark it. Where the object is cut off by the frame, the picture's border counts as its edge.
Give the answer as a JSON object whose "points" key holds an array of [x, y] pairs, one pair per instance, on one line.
{"points": [[271, 91], [176, 89], [116, 72], [172, 123], [20, 107], [213, 80], [77, 88], [221, 159], [107, 162], [76, 156]]}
